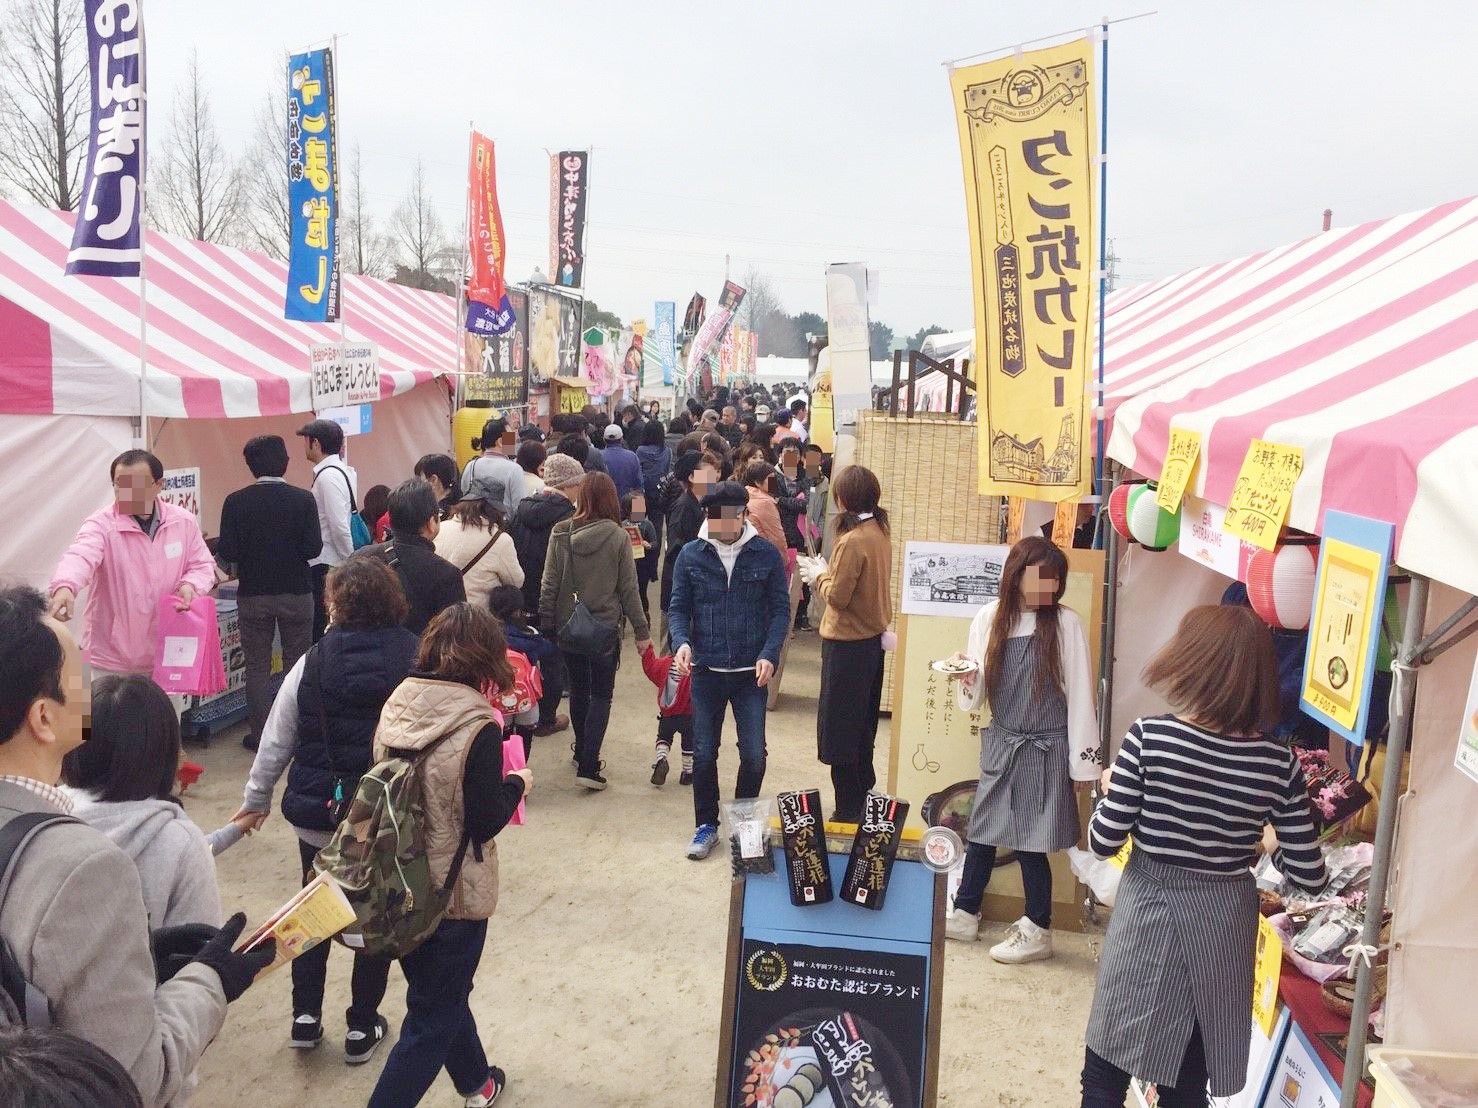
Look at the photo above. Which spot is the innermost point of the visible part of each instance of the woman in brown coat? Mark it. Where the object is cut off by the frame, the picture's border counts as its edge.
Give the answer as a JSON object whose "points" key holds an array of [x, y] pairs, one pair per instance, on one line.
{"points": [[859, 606]]}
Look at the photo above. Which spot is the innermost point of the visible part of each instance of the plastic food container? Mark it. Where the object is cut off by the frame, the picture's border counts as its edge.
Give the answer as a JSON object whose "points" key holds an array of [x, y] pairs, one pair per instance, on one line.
{"points": [[1423, 1078]]}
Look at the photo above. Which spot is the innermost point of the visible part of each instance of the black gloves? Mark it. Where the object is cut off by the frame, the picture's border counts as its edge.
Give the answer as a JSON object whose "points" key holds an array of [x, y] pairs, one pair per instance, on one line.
{"points": [[236, 971], [176, 947]]}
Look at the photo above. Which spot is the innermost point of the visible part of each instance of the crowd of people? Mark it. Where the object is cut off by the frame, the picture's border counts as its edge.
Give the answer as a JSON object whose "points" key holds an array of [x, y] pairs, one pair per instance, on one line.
{"points": [[434, 619]]}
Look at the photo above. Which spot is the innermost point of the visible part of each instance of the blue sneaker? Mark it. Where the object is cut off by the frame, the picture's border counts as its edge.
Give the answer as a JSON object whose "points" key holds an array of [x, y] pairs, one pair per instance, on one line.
{"points": [[703, 842]]}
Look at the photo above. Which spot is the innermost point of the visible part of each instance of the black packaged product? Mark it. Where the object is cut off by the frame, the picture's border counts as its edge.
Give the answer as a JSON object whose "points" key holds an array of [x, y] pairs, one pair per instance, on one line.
{"points": [[805, 847], [873, 850]]}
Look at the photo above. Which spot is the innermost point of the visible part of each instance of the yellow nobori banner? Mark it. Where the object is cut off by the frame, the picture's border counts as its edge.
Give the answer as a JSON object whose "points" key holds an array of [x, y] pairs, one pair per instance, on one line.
{"points": [[1028, 139]]}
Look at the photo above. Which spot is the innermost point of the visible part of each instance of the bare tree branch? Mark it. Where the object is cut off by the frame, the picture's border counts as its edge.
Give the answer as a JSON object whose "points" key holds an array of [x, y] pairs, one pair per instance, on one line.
{"points": [[44, 100], [265, 223], [424, 247], [198, 188], [364, 248]]}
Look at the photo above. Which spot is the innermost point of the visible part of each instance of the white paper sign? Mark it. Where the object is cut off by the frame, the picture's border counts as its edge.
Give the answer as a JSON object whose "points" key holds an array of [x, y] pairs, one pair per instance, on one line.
{"points": [[1203, 540], [182, 489], [357, 419], [950, 578], [180, 650], [344, 375], [1467, 741]]}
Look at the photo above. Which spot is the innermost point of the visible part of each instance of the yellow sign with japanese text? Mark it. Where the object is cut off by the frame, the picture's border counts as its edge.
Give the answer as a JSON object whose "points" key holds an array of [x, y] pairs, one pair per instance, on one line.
{"points": [[1263, 492], [1351, 593], [823, 427], [1028, 139], [1180, 463], [1269, 968]]}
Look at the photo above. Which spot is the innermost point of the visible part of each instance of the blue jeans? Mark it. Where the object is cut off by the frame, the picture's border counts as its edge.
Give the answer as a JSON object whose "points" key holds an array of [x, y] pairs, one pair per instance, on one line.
{"points": [[439, 1029], [712, 693]]}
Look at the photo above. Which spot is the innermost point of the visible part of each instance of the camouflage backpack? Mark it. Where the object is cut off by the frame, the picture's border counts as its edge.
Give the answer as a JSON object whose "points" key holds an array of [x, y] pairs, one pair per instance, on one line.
{"points": [[378, 856]]}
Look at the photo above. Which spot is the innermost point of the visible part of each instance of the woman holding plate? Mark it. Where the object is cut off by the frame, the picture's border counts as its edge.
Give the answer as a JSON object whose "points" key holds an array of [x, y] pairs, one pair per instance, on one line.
{"points": [[1031, 665]]}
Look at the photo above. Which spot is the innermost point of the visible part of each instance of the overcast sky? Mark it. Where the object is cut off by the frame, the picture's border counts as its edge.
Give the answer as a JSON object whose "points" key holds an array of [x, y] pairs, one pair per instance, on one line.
{"points": [[788, 135]]}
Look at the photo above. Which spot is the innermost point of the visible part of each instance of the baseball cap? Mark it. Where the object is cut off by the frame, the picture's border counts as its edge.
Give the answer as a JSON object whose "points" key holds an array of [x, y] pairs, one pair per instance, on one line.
{"points": [[725, 494], [710, 415], [530, 432], [484, 488], [561, 471], [613, 432], [762, 412]]}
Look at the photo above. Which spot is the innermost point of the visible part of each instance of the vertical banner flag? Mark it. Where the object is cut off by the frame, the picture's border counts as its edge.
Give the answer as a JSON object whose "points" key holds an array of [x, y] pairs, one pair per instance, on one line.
{"points": [[105, 242], [313, 189], [569, 173], [485, 244], [1028, 139], [850, 342], [711, 331], [666, 341]]}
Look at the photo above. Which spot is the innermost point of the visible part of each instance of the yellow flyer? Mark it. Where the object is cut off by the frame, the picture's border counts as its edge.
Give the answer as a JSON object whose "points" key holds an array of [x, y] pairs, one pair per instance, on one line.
{"points": [[1263, 492], [1265, 977], [1180, 463], [318, 912]]}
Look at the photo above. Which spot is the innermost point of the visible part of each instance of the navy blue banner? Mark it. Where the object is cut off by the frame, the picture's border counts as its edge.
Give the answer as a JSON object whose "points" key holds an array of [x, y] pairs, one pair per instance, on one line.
{"points": [[106, 241], [313, 189], [482, 320]]}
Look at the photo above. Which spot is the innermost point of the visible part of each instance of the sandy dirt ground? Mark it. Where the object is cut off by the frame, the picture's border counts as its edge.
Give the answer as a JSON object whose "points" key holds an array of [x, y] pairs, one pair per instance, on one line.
{"points": [[600, 985]]}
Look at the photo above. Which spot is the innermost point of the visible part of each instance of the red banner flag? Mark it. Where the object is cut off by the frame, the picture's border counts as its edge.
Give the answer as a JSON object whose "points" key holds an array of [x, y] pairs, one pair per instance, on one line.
{"points": [[485, 245]]}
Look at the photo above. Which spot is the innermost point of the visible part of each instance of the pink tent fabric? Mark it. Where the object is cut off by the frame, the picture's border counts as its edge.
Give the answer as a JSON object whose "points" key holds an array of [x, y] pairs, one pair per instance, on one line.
{"points": [[218, 345]]}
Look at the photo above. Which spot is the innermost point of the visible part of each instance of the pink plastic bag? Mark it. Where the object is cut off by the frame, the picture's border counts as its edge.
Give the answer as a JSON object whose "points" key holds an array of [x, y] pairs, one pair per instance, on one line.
{"points": [[187, 652], [513, 758]]}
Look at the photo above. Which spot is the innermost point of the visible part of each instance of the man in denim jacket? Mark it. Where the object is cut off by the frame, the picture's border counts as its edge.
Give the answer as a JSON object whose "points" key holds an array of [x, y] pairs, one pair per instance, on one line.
{"points": [[729, 615]]}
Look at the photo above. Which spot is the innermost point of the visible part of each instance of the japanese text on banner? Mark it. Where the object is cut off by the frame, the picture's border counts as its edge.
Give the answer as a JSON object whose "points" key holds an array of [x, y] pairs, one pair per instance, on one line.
{"points": [[666, 342], [569, 174], [1264, 490], [485, 245], [313, 189], [344, 375], [1180, 464], [106, 240], [1028, 137]]}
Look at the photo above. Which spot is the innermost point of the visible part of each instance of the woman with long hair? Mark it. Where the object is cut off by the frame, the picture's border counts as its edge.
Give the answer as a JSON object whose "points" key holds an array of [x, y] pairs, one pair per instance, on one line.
{"points": [[1033, 670], [857, 589], [468, 800], [590, 562], [1196, 789], [474, 539], [320, 731]]}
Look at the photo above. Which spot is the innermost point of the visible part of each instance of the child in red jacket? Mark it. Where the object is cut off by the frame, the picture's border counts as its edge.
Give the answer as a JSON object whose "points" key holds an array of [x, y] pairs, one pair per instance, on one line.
{"points": [[674, 713]]}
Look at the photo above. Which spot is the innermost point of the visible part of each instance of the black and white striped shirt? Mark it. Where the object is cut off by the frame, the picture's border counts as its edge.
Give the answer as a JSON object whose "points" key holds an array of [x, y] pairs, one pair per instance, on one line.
{"points": [[1199, 800]]}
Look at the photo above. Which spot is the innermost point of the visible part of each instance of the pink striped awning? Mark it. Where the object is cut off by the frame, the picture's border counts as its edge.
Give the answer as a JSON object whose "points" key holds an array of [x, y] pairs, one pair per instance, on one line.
{"points": [[217, 343], [1360, 345]]}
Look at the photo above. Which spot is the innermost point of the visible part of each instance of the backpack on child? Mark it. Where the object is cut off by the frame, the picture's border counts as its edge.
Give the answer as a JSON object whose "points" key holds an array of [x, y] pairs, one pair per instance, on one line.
{"points": [[378, 857], [20, 1001]]}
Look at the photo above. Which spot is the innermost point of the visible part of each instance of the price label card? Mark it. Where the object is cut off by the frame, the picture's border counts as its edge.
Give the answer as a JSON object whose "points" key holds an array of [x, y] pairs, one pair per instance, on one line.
{"points": [[1180, 463], [1263, 492]]}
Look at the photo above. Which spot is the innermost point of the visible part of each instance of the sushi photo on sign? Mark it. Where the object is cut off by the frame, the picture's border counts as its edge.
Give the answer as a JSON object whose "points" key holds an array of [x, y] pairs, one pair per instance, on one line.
{"points": [[819, 1027]]}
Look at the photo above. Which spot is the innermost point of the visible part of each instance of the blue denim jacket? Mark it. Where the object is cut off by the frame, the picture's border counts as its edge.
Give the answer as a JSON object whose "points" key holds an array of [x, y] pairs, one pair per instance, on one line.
{"points": [[730, 623]]}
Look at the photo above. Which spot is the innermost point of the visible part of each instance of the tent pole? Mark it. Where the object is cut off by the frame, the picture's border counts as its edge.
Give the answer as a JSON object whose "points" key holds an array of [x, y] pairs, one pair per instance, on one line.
{"points": [[1098, 474], [1404, 695], [1106, 637], [338, 253], [143, 322]]}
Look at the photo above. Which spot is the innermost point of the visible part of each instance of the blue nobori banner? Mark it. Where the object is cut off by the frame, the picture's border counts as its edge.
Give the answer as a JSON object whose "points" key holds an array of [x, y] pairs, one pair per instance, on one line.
{"points": [[313, 189], [106, 241]]}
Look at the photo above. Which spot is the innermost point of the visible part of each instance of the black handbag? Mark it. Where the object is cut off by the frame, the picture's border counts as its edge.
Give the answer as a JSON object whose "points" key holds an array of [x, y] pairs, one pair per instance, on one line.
{"points": [[584, 632]]}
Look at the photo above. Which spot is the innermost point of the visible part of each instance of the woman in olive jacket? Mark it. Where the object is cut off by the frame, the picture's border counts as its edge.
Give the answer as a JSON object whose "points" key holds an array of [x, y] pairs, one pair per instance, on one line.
{"points": [[590, 559]]}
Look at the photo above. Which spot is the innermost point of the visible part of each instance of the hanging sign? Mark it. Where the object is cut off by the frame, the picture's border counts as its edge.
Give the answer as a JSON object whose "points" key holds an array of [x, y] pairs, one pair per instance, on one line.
{"points": [[106, 239], [1264, 490], [1180, 465], [313, 189], [182, 489], [1344, 634], [1204, 539], [1028, 137], [344, 375], [569, 174]]}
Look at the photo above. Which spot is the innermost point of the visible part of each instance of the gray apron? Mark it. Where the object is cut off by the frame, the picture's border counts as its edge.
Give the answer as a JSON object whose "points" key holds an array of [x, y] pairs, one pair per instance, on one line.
{"points": [[1179, 951], [1025, 797]]}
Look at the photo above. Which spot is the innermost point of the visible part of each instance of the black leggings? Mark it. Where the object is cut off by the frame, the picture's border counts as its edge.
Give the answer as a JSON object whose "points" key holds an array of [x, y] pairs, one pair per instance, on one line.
{"points": [[1036, 880], [1105, 1084]]}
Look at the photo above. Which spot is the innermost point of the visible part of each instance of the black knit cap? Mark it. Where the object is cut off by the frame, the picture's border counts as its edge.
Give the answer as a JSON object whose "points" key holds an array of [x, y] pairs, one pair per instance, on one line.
{"points": [[726, 494]]}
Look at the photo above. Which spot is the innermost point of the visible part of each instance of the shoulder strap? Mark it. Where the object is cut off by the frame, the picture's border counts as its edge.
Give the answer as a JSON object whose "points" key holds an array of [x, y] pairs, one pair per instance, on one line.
{"points": [[328, 746], [17, 834], [497, 533], [342, 472]]}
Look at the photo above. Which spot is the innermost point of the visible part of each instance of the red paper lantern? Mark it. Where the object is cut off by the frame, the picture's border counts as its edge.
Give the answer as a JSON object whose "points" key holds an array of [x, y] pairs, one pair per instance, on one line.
{"points": [[1281, 582], [1118, 509]]}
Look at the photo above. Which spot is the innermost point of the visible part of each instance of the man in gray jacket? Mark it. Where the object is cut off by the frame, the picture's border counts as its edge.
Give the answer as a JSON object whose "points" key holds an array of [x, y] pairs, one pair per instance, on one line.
{"points": [[72, 914]]}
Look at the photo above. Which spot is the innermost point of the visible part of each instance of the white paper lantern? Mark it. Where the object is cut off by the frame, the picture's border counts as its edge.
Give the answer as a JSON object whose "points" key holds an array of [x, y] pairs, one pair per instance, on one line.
{"points": [[1281, 582]]}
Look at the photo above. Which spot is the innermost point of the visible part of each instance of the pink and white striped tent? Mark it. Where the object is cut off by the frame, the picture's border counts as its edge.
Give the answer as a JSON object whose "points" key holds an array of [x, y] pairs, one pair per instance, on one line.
{"points": [[218, 345], [1359, 345]]}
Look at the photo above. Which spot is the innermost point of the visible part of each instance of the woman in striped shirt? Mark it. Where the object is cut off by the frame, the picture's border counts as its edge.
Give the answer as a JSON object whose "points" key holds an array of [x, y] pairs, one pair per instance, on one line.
{"points": [[1195, 790]]}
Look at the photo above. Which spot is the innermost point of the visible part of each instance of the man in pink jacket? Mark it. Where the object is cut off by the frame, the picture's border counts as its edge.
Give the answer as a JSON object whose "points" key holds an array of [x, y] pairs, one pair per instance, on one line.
{"points": [[130, 554]]}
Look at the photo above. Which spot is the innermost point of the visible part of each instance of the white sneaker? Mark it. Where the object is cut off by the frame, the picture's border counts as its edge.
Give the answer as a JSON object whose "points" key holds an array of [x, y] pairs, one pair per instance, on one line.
{"points": [[962, 925], [1024, 942]]}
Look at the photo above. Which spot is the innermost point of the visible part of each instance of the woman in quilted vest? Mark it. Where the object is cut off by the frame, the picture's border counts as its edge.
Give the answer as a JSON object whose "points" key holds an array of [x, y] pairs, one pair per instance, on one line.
{"points": [[440, 712]]}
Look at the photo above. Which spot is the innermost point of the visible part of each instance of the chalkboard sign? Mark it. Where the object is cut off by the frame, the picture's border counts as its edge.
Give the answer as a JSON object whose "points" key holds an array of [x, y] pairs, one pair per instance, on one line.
{"points": [[832, 1005]]}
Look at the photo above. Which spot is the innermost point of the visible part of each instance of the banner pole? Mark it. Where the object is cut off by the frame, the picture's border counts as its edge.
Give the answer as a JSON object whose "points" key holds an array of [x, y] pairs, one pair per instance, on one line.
{"points": [[338, 223], [143, 321], [462, 249], [1098, 484]]}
